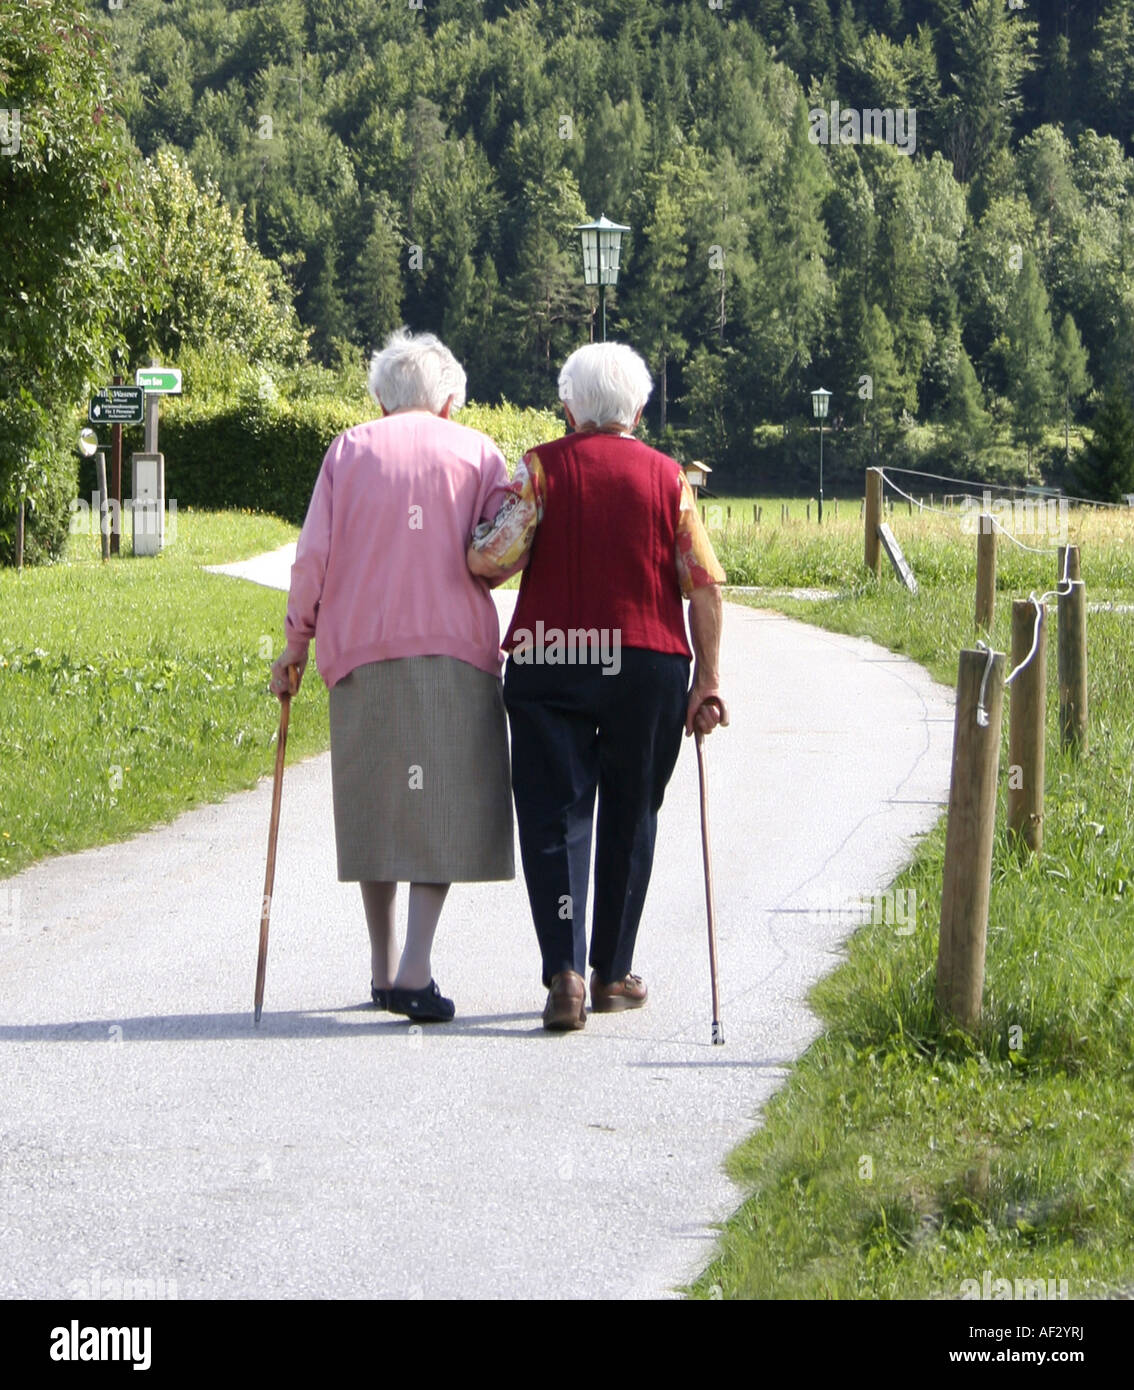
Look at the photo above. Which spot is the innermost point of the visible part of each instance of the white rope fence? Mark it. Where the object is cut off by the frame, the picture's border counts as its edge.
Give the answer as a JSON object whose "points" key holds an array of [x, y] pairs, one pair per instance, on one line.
{"points": [[997, 487]]}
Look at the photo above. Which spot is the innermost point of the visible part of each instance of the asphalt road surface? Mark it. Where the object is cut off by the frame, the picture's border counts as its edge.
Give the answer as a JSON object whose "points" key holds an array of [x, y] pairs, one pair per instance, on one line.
{"points": [[155, 1141]]}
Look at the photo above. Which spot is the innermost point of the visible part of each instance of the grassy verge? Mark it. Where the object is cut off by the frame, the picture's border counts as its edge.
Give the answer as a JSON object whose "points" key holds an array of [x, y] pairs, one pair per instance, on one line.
{"points": [[900, 1161], [134, 690]]}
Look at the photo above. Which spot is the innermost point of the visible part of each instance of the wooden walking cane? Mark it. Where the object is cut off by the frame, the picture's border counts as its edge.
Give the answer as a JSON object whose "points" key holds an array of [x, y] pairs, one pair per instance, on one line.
{"points": [[718, 1030], [273, 830]]}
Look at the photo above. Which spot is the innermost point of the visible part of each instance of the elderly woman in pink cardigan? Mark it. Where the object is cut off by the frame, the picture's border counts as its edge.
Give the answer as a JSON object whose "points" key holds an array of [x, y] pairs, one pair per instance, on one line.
{"points": [[408, 643]]}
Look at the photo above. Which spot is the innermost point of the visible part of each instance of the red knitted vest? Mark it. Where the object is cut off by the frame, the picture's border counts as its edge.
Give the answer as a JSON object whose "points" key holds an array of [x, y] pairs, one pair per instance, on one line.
{"points": [[604, 553]]}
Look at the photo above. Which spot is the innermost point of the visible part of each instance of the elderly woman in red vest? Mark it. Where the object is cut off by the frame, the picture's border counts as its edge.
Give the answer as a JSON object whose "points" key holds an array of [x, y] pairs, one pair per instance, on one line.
{"points": [[597, 686]]}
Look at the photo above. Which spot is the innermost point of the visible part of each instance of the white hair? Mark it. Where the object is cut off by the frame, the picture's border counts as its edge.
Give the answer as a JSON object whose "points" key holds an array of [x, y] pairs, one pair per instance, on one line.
{"points": [[605, 384], [416, 373]]}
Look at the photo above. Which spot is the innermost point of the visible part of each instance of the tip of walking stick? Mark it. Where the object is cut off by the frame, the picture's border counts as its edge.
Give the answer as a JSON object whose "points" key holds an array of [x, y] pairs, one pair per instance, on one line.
{"points": [[256, 1016], [718, 1035]]}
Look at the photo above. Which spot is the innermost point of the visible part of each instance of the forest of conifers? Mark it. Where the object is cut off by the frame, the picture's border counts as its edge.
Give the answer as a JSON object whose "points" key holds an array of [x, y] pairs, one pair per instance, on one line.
{"points": [[425, 161]]}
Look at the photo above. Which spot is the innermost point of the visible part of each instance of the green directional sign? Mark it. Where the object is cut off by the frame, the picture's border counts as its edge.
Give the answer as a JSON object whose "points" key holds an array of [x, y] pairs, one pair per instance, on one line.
{"points": [[117, 405], [160, 381]]}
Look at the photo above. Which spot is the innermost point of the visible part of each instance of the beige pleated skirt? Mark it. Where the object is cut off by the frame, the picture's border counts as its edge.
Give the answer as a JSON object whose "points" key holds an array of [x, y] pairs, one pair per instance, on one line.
{"points": [[420, 774]]}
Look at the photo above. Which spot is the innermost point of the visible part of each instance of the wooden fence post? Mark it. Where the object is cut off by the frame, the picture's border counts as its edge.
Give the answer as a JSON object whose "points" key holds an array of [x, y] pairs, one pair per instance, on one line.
{"points": [[1026, 727], [873, 515], [968, 841], [985, 574], [1072, 634], [20, 532]]}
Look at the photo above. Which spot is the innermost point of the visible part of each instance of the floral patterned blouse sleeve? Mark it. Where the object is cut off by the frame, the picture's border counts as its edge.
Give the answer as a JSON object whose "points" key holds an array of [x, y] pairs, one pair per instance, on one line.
{"points": [[697, 565], [507, 540]]}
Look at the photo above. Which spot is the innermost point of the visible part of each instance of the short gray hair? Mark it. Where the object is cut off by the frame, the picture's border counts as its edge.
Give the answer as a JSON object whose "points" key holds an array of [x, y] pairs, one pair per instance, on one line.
{"points": [[416, 373], [605, 384]]}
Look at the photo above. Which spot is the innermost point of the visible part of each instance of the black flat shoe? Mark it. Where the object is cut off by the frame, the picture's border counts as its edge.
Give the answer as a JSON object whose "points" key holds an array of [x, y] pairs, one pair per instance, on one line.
{"points": [[422, 1005], [381, 997]]}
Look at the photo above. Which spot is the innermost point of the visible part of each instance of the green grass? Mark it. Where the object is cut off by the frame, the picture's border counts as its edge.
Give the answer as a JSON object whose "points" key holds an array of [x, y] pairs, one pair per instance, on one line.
{"points": [[133, 690], [901, 1159]]}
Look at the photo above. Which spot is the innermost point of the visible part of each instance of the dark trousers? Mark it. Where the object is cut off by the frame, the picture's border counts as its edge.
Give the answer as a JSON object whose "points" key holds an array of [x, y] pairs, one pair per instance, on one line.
{"points": [[576, 731]]}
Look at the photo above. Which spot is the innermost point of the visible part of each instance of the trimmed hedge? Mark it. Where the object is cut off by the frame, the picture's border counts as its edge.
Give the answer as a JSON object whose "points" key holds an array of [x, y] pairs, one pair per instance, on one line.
{"points": [[263, 452], [260, 454]]}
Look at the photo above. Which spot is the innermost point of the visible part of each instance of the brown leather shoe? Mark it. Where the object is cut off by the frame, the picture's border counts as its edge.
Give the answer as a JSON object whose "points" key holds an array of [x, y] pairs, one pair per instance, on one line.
{"points": [[566, 1006], [629, 993]]}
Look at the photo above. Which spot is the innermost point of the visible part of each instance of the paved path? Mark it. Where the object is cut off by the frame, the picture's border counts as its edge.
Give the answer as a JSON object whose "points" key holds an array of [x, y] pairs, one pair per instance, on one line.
{"points": [[150, 1133]]}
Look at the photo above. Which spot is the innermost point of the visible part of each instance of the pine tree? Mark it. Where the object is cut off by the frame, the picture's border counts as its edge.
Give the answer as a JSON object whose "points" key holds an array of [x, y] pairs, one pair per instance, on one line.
{"points": [[1029, 355], [662, 263], [969, 425], [1112, 63], [376, 280], [889, 389], [1070, 370], [993, 48], [1105, 469]]}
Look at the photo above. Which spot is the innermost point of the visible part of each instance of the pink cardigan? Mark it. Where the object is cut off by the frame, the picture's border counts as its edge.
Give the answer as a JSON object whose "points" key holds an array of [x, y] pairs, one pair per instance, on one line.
{"points": [[380, 568]]}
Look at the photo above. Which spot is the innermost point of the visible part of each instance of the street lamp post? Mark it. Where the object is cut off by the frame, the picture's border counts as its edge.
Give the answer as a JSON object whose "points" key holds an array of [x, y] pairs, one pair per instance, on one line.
{"points": [[819, 402], [602, 247]]}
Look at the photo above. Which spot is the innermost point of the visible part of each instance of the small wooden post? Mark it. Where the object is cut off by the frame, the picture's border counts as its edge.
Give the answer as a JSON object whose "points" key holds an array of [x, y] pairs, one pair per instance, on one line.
{"points": [[968, 842], [702, 511], [20, 534], [873, 512], [809, 511], [728, 516], [755, 515], [909, 505], [1026, 728], [116, 476], [103, 504], [985, 574], [836, 509], [1073, 733]]}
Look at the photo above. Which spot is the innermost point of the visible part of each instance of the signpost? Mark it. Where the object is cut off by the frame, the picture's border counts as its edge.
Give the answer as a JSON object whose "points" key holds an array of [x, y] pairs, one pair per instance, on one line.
{"points": [[156, 382], [162, 381], [116, 405], [120, 405]]}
